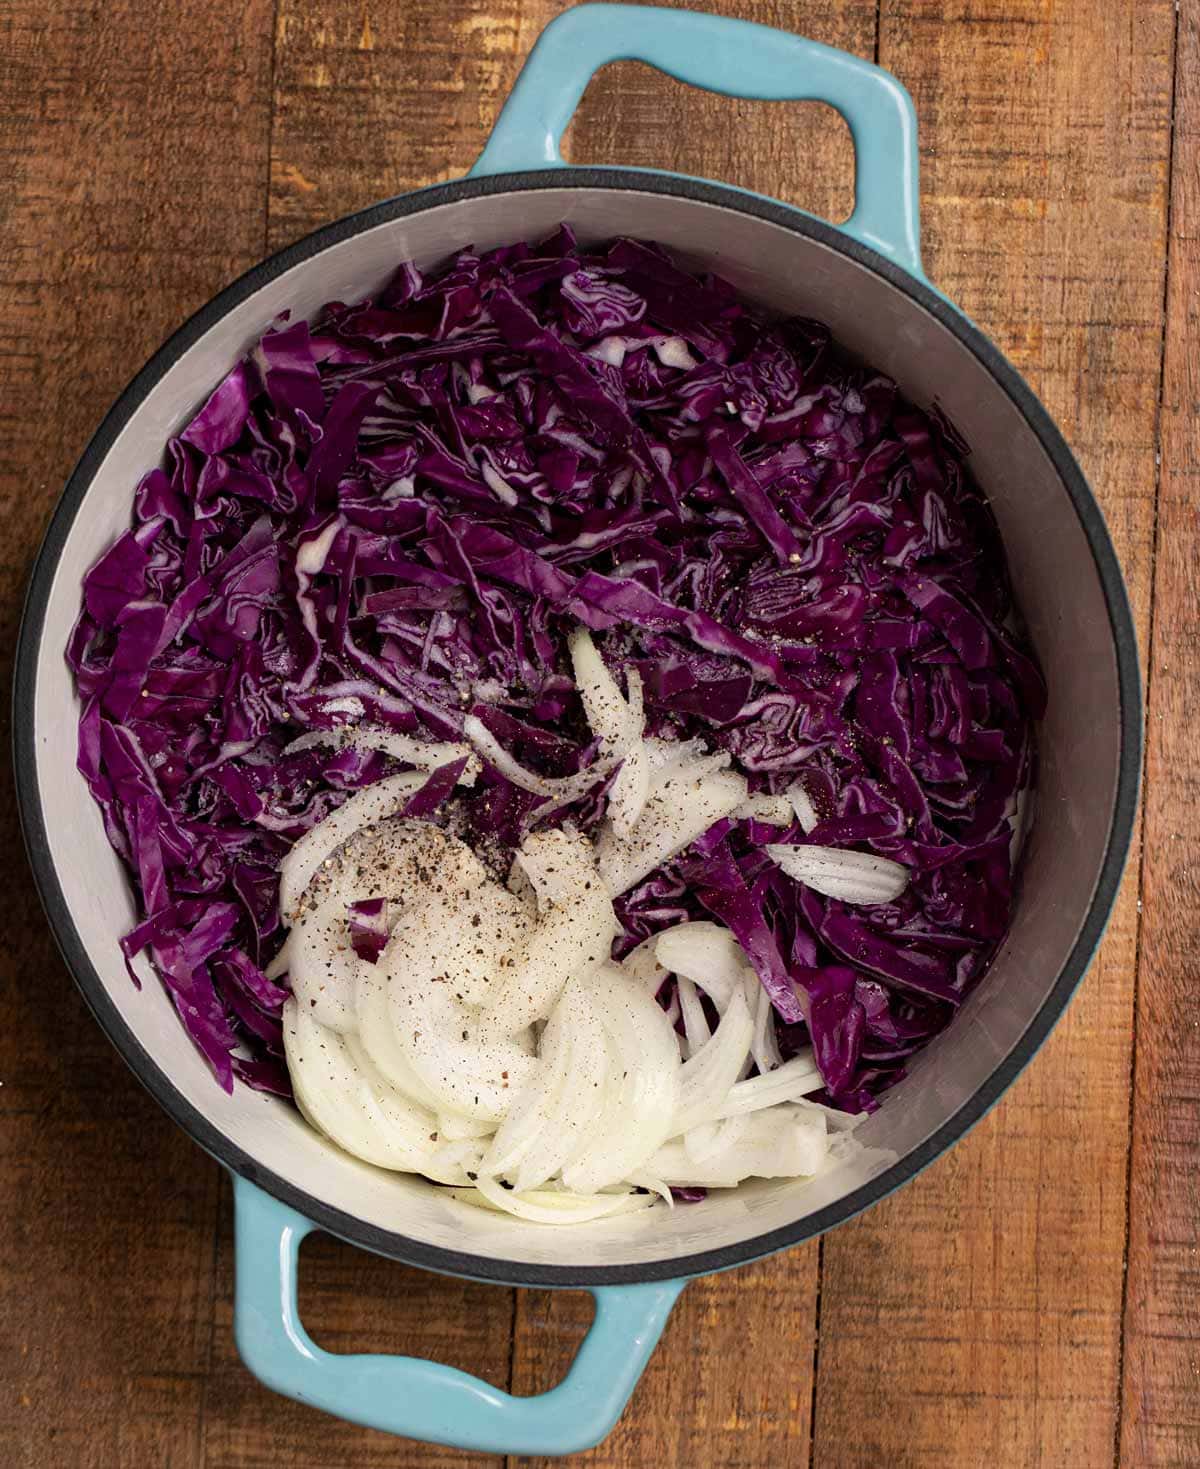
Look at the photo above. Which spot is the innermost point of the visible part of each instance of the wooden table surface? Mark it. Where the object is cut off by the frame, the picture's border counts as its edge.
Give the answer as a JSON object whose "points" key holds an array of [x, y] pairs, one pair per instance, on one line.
{"points": [[1032, 1299]]}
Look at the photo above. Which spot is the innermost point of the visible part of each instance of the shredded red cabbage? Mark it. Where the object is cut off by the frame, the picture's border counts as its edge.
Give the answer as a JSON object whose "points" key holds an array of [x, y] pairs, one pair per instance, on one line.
{"points": [[395, 516]]}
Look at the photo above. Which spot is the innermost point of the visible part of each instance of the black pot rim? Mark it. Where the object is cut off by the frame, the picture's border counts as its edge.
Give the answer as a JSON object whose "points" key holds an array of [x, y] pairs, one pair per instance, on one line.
{"points": [[403, 1247]]}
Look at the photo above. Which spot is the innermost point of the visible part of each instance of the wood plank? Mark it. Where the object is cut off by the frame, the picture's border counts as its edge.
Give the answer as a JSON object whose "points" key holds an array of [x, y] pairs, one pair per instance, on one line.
{"points": [[133, 154], [372, 99], [977, 1313], [1161, 1423], [731, 1381]]}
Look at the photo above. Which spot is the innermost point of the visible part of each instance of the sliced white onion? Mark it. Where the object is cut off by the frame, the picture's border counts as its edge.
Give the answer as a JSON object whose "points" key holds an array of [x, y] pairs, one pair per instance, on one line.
{"points": [[432, 952], [806, 812], [642, 963], [424, 754], [570, 939], [773, 810], [683, 803], [699, 766], [454, 1162], [560, 789], [662, 753], [560, 1110], [618, 722], [636, 701], [712, 1138], [695, 1023], [345, 1097], [505, 920], [436, 1058], [578, 1114], [706, 1079], [604, 705], [373, 1013], [521, 888], [835, 1122], [642, 1179], [322, 964], [630, 790], [781, 1142], [372, 804], [645, 1090], [550, 1206], [764, 1047], [705, 953], [532, 1111], [787, 1083], [852, 877], [455, 1128]]}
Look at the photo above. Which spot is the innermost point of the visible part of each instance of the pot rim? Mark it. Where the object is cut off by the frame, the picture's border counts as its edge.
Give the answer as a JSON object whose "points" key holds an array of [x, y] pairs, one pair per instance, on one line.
{"points": [[393, 1243]]}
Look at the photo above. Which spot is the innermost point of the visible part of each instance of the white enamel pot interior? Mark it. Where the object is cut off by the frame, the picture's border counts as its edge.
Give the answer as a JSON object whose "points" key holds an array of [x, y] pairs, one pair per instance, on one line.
{"points": [[1067, 584]]}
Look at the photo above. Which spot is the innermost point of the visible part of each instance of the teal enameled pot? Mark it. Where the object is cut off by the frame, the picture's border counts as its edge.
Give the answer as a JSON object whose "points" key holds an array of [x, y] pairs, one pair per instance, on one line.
{"points": [[864, 278]]}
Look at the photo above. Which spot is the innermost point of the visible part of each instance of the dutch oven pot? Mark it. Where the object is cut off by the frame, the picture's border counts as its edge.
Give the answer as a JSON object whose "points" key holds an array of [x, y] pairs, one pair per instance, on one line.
{"points": [[865, 280]]}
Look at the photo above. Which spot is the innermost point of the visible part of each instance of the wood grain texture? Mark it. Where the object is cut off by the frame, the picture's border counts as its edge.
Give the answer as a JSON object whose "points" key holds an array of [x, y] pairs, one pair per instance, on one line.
{"points": [[978, 1311], [151, 150], [133, 160], [1161, 1421], [374, 99]]}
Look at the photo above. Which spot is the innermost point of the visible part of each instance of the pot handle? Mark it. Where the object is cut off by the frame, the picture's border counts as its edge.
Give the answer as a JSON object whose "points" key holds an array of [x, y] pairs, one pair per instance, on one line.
{"points": [[421, 1399], [740, 59]]}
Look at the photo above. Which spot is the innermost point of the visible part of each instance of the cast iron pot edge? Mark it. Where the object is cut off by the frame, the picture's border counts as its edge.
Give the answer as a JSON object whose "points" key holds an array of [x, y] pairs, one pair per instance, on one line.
{"points": [[402, 1247]]}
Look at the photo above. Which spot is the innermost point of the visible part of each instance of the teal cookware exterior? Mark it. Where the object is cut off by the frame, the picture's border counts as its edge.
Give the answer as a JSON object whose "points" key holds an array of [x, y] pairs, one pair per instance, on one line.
{"points": [[737, 58], [427, 1400]]}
